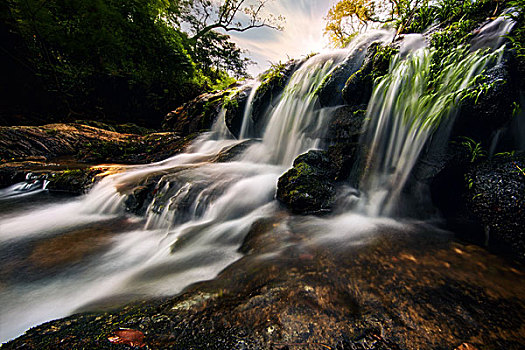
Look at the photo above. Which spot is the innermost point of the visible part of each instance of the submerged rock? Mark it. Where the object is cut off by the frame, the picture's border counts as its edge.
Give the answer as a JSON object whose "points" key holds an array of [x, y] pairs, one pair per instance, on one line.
{"points": [[416, 290]]}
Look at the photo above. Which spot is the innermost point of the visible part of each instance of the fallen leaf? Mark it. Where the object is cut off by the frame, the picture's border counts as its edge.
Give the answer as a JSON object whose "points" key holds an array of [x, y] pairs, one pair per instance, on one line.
{"points": [[128, 337], [466, 346]]}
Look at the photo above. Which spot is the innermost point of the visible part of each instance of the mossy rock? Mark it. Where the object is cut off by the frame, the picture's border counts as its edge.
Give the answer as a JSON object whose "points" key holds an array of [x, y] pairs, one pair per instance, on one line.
{"points": [[235, 104], [358, 88], [308, 187], [492, 107], [273, 82], [196, 115], [76, 181]]}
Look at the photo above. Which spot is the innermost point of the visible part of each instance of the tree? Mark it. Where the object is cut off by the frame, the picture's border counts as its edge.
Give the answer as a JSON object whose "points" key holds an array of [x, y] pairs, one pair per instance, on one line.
{"points": [[346, 18], [204, 16], [349, 17]]}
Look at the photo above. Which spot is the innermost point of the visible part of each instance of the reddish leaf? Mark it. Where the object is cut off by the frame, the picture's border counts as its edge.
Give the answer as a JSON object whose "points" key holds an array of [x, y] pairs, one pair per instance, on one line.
{"points": [[466, 346], [129, 337]]}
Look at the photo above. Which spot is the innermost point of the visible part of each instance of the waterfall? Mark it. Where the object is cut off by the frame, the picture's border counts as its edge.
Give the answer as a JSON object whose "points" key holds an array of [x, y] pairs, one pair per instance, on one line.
{"points": [[200, 209], [407, 106], [196, 220]]}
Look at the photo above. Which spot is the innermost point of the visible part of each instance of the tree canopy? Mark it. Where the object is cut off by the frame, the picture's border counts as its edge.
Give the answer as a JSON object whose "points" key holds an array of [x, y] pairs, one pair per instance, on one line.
{"points": [[348, 17], [125, 59]]}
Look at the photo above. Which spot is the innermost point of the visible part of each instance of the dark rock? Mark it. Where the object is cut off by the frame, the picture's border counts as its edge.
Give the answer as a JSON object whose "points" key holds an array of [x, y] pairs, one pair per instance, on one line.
{"points": [[235, 106], [308, 187], [352, 80], [417, 290], [139, 198], [358, 88], [346, 124], [196, 115], [272, 84], [232, 153], [481, 114], [496, 197], [77, 181], [343, 157]]}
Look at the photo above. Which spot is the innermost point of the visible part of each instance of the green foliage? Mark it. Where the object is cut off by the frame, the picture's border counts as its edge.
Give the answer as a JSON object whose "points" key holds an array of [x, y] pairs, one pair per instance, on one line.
{"points": [[455, 34], [424, 16], [347, 17], [122, 60], [481, 88], [474, 149], [273, 76], [382, 59]]}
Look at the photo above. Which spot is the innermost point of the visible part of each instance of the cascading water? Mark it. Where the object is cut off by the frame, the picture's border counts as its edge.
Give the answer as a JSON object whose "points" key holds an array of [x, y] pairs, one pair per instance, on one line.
{"points": [[201, 209], [192, 228], [407, 106]]}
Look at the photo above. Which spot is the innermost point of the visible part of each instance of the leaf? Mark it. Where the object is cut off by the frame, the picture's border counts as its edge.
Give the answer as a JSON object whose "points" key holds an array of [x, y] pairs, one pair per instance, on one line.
{"points": [[129, 337]]}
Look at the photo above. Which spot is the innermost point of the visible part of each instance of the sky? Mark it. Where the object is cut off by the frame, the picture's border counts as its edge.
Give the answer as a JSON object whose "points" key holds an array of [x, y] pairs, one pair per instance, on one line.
{"points": [[302, 34]]}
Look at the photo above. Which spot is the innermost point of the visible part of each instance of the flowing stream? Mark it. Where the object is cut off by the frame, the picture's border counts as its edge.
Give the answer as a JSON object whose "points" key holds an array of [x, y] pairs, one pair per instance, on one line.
{"points": [[61, 254]]}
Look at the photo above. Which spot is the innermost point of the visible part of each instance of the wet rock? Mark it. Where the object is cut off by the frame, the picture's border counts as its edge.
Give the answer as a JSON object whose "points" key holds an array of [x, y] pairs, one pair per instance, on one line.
{"points": [[496, 197], [492, 104], [343, 157], [402, 291], [196, 115], [235, 106], [77, 181], [358, 88], [351, 81], [232, 153], [273, 82], [346, 124], [309, 186], [139, 198]]}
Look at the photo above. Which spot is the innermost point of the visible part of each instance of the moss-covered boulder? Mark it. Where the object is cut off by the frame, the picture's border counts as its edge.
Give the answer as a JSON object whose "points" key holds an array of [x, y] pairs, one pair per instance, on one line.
{"points": [[308, 187], [75, 181], [272, 84], [196, 115], [357, 89]]}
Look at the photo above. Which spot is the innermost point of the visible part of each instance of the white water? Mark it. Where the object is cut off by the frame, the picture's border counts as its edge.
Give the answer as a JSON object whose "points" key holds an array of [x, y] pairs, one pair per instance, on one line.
{"points": [[404, 112], [194, 225], [201, 211]]}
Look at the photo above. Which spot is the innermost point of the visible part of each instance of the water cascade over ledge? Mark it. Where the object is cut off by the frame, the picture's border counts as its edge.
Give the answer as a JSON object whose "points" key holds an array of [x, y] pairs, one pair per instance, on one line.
{"points": [[201, 208]]}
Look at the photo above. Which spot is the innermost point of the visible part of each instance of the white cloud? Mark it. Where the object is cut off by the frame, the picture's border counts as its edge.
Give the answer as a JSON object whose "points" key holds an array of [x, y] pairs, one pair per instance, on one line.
{"points": [[303, 33]]}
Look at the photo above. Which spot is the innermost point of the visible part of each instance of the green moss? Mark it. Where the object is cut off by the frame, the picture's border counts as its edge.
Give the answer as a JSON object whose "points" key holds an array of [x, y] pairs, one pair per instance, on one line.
{"points": [[275, 75]]}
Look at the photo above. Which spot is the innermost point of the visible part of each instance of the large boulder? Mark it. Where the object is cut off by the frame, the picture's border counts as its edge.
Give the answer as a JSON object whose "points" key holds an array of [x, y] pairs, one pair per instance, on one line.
{"points": [[496, 197], [308, 187], [491, 104]]}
